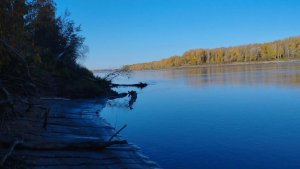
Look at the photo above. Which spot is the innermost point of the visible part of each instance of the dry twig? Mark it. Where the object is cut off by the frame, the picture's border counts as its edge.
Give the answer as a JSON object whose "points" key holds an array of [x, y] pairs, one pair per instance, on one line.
{"points": [[11, 149]]}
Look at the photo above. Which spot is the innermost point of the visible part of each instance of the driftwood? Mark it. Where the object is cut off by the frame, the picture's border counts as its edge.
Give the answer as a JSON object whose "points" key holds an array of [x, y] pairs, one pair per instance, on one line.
{"points": [[138, 85], [11, 149], [113, 136]]}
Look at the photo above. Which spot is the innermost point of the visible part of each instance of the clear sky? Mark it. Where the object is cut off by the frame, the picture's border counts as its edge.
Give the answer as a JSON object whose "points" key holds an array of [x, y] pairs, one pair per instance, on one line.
{"points": [[120, 32]]}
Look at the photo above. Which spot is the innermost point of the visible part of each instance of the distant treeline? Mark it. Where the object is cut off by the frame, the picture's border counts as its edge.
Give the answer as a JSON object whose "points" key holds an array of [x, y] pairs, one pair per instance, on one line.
{"points": [[34, 39], [279, 50]]}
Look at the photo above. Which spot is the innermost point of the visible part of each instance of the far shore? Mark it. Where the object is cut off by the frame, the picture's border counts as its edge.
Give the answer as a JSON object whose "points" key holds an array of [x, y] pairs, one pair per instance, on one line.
{"points": [[226, 64], [207, 65]]}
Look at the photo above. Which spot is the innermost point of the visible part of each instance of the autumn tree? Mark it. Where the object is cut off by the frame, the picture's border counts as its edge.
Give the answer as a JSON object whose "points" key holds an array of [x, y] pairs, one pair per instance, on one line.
{"points": [[282, 49]]}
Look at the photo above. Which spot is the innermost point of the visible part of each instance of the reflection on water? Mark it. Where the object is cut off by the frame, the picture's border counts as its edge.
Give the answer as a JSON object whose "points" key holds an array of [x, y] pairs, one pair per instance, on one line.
{"points": [[253, 74], [220, 117], [122, 103], [133, 96]]}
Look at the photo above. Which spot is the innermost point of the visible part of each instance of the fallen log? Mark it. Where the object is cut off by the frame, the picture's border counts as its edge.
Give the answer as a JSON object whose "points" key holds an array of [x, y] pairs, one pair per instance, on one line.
{"points": [[138, 85]]}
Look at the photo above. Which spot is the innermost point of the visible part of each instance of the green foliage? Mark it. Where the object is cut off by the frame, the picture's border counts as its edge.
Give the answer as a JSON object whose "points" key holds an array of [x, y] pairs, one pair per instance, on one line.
{"points": [[279, 50]]}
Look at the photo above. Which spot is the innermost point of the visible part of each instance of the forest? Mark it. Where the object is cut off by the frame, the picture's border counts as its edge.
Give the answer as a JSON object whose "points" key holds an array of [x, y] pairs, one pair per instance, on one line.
{"points": [[286, 49], [39, 52]]}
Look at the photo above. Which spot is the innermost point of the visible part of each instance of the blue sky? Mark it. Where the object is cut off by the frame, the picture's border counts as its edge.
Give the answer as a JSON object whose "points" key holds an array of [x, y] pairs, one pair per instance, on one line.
{"points": [[120, 32]]}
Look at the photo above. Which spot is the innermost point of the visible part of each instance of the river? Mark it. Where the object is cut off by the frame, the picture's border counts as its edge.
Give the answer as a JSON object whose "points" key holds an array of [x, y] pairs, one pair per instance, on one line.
{"points": [[216, 117]]}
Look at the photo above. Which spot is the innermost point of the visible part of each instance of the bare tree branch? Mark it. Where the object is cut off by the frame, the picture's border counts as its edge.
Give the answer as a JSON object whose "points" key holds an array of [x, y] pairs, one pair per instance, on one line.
{"points": [[22, 58], [11, 149], [113, 136], [116, 73]]}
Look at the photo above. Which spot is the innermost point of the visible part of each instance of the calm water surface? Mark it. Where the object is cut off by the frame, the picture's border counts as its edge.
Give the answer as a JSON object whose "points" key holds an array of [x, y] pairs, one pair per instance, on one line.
{"points": [[245, 116]]}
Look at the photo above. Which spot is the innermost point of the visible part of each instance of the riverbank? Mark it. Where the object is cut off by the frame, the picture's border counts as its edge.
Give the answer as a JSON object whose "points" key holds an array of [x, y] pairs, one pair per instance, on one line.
{"points": [[206, 65], [74, 136], [226, 64], [237, 64]]}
